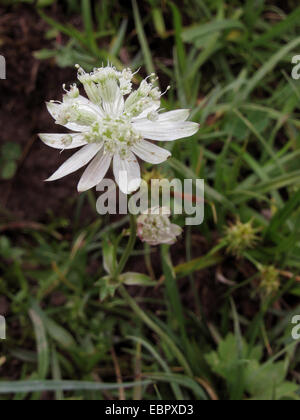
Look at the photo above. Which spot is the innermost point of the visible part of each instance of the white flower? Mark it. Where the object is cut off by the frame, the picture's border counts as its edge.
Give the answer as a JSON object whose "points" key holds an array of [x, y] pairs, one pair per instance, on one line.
{"points": [[155, 228], [112, 125]]}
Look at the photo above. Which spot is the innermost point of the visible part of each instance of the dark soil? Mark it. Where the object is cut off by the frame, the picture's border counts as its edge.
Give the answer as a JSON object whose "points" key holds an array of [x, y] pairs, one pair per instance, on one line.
{"points": [[23, 115]]}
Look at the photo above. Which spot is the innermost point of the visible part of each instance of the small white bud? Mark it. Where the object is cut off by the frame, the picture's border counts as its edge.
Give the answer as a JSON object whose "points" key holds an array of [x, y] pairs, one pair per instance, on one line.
{"points": [[155, 227]]}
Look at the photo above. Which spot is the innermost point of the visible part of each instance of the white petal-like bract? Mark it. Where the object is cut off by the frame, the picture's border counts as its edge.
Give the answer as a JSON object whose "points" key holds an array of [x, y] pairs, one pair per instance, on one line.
{"points": [[174, 116], [166, 131], [95, 172], [127, 173], [63, 141], [77, 161], [151, 153]]}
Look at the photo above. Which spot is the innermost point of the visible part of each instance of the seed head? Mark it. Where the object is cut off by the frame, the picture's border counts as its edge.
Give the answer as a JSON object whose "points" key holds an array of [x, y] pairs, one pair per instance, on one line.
{"points": [[241, 237]]}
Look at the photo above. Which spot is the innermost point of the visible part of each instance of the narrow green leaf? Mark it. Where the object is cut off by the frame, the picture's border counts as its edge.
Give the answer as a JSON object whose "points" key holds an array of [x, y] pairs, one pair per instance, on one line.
{"points": [[180, 380], [187, 173], [197, 264], [109, 258], [283, 215], [142, 38], [279, 29], [159, 359], [88, 24], [117, 42], [269, 66], [175, 307], [137, 279], [13, 387], [42, 343], [200, 31]]}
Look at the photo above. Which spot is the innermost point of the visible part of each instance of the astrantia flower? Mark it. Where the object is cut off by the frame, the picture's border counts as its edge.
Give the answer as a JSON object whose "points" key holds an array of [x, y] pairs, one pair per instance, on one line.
{"points": [[155, 228], [112, 125]]}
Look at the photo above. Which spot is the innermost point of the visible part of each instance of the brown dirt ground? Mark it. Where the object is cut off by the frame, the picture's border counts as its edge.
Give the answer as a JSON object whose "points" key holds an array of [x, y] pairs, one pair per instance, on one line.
{"points": [[30, 83]]}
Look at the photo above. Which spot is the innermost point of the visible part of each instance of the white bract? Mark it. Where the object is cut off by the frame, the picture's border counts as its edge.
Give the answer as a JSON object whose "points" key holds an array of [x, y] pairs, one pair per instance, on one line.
{"points": [[112, 125], [155, 227]]}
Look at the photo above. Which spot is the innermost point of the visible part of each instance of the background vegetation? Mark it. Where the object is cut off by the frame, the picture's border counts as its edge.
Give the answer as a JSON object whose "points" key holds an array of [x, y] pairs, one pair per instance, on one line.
{"points": [[214, 311]]}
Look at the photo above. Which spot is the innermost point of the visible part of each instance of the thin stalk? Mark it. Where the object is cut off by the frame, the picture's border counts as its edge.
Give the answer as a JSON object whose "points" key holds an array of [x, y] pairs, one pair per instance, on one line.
{"points": [[135, 307], [148, 262], [129, 248]]}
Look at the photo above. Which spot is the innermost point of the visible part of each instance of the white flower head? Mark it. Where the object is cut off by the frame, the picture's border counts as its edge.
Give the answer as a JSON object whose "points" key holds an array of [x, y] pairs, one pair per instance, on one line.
{"points": [[155, 227], [111, 125]]}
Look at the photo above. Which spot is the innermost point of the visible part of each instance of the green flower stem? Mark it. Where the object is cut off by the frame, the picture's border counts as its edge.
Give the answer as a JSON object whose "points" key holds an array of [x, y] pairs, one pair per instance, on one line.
{"points": [[148, 261], [129, 248], [135, 307]]}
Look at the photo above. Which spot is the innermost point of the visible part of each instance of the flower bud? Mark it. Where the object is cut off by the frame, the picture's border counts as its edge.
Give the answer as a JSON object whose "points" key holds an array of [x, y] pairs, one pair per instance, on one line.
{"points": [[155, 227]]}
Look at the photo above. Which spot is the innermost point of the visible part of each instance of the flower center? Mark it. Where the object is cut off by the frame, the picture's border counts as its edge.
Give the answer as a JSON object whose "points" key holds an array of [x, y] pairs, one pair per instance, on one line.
{"points": [[116, 134]]}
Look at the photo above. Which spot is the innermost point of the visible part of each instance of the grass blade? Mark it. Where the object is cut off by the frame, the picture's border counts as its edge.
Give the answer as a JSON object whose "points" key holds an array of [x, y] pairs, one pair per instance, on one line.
{"points": [[42, 343], [142, 38], [48, 385]]}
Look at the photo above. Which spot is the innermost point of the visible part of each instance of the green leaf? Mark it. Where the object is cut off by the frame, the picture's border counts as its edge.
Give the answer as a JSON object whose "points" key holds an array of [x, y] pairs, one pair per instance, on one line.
{"points": [[142, 38], [180, 48], [173, 296], [55, 331], [8, 170], [236, 127], [269, 66], [180, 380], [44, 54], [279, 29], [109, 258], [41, 341], [199, 31], [197, 264], [11, 151], [118, 41], [159, 23], [59, 334], [56, 372], [227, 360], [68, 30], [267, 383], [211, 193], [137, 279], [282, 216], [107, 287], [160, 360], [86, 11], [292, 178], [13, 387]]}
